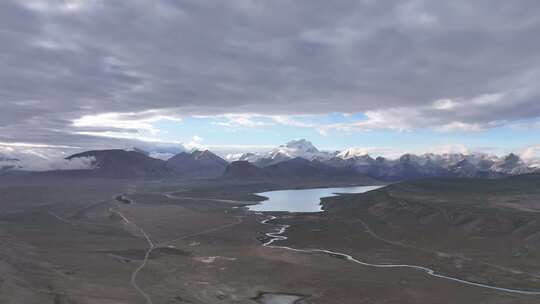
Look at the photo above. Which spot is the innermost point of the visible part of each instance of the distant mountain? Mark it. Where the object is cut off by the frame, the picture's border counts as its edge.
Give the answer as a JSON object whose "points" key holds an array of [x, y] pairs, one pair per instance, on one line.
{"points": [[133, 163], [242, 169], [302, 168], [123, 164], [510, 164], [351, 153], [298, 159], [410, 166], [406, 167], [294, 148], [296, 169], [360, 164], [199, 164], [464, 168]]}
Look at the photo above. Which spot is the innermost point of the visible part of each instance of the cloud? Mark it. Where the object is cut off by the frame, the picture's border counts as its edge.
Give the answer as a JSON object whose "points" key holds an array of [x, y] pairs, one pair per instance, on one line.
{"points": [[396, 119], [42, 157], [478, 113], [526, 126], [79, 72], [252, 120], [291, 121], [459, 126], [39, 158], [444, 104], [195, 143], [121, 123], [450, 149], [531, 153], [11, 145], [242, 120]]}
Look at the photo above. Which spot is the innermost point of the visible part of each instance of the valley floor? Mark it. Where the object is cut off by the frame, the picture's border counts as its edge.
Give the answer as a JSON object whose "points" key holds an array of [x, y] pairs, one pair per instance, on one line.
{"points": [[185, 243]]}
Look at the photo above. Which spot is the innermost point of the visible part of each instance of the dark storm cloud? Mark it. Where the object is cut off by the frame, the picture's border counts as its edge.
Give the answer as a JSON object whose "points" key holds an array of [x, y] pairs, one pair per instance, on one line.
{"points": [[62, 60]]}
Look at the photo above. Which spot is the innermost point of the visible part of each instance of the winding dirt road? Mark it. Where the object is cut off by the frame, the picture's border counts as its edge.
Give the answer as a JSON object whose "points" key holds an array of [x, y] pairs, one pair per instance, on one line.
{"points": [[153, 246], [277, 235]]}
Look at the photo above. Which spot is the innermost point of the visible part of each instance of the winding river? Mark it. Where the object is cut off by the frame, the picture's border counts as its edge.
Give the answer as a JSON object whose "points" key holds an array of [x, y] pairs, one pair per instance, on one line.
{"points": [[308, 200]]}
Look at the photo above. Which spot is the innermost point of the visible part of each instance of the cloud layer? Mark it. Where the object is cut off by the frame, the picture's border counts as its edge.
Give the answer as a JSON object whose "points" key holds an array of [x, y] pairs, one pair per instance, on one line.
{"points": [[39, 158], [76, 71]]}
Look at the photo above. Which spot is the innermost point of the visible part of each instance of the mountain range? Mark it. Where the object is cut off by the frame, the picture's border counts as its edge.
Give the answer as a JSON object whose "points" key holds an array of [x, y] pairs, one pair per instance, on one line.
{"points": [[406, 167], [127, 164], [296, 168], [138, 164], [197, 164], [298, 159]]}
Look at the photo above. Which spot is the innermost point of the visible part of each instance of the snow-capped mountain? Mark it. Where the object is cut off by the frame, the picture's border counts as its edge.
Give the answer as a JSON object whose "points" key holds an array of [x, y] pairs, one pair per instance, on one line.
{"points": [[352, 153], [292, 158], [510, 164], [293, 149], [299, 148], [408, 166]]}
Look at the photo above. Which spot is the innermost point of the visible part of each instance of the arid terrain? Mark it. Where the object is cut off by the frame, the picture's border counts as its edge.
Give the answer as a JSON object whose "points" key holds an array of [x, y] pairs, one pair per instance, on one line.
{"points": [[98, 241], [269, 152]]}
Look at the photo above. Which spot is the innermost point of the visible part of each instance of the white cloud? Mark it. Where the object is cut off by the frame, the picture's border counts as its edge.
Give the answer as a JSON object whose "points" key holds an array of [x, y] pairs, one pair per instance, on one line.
{"points": [[458, 126], [450, 148], [443, 115], [246, 120], [396, 119], [33, 145], [64, 6], [526, 126], [130, 121], [290, 121], [195, 143], [125, 125], [531, 153], [33, 157], [253, 120]]}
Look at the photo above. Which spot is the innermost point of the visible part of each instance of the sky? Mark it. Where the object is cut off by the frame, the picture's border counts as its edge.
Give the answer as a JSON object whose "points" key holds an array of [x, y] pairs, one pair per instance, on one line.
{"points": [[235, 76]]}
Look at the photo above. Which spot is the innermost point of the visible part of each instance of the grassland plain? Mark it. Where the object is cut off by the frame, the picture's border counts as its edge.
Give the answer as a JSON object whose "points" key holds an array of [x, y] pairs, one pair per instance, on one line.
{"points": [[74, 242]]}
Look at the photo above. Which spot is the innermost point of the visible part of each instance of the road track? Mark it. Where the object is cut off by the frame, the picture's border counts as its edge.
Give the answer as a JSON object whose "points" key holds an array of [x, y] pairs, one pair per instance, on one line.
{"points": [[153, 246]]}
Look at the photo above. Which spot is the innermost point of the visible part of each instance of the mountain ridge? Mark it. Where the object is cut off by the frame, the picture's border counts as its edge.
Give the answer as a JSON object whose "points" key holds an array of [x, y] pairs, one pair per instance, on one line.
{"points": [[407, 166], [296, 158]]}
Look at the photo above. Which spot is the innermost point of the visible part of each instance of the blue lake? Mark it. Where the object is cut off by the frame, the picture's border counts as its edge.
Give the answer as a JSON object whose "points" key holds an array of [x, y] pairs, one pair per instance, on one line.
{"points": [[302, 200]]}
